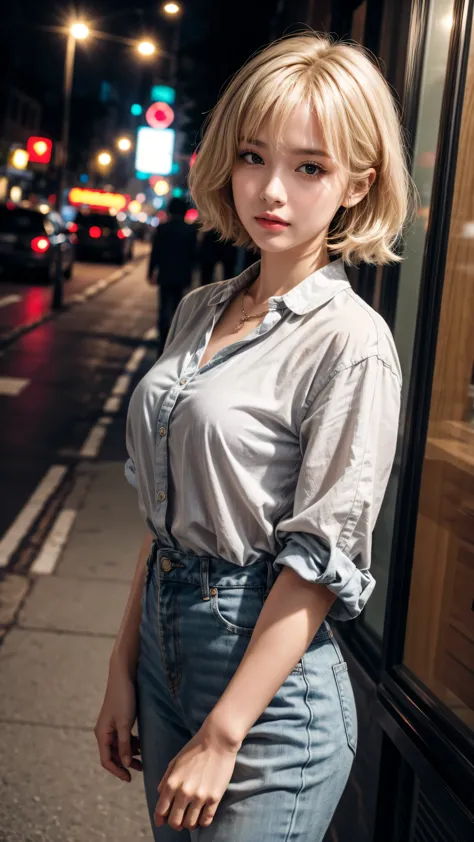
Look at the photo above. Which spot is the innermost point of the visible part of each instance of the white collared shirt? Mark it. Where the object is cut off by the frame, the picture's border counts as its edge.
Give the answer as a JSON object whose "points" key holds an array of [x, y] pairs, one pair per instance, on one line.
{"points": [[281, 446]]}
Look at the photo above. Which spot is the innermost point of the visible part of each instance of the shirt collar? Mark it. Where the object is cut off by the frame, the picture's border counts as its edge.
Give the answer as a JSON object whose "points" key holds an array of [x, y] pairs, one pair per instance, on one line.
{"points": [[315, 290]]}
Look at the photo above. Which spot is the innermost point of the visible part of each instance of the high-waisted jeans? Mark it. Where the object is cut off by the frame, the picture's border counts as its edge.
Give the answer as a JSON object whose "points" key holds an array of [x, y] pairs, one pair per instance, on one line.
{"points": [[198, 615]]}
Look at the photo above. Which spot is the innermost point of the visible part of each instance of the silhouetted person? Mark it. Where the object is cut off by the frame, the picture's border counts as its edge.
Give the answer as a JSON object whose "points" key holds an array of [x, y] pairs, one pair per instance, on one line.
{"points": [[211, 252], [173, 253]]}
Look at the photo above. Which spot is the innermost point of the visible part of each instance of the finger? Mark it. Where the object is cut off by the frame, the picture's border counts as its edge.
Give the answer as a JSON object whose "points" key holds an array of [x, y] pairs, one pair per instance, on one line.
{"points": [[135, 744], [164, 805], [207, 814], [192, 814], [112, 763], [124, 747], [178, 809]]}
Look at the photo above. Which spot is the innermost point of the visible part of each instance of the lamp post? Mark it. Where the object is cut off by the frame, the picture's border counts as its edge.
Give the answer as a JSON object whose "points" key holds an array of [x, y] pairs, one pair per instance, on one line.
{"points": [[78, 31]]}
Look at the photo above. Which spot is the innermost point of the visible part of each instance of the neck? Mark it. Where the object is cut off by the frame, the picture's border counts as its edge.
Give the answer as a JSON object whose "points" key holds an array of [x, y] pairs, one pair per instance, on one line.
{"points": [[281, 271]]}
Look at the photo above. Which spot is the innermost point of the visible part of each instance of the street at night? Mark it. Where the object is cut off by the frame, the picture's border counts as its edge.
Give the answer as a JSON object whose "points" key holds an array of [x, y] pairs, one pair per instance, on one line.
{"points": [[236, 421]]}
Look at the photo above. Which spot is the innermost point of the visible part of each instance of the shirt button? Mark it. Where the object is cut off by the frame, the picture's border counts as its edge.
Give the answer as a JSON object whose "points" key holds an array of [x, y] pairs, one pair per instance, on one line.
{"points": [[162, 431], [183, 381], [166, 565], [213, 591], [161, 496]]}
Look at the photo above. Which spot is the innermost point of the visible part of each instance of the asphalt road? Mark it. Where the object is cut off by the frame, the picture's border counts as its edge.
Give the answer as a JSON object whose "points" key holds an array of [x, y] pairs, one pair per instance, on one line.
{"points": [[54, 379]]}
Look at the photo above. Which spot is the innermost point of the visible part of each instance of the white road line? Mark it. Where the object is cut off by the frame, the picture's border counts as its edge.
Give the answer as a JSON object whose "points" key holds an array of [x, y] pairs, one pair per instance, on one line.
{"points": [[52, 548], [152, 333], [9, 299], [112, 404], [135, 360], [12, 386], [20, 526], [93, 442], [121, 385]]}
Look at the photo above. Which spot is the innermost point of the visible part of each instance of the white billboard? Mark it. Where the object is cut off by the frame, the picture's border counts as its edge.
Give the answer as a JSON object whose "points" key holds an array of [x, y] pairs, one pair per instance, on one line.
{"points": [[154, 150]]}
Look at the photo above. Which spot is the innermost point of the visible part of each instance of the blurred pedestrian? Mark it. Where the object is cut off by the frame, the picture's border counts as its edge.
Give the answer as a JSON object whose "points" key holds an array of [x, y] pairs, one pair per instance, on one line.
{"points": [[212, 250], [172, 260], [261, 445]]}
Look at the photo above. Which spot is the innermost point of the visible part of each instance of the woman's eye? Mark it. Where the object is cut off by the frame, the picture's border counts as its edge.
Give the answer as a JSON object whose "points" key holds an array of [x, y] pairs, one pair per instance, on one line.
{"points": [[251, 158], [311, 169]]}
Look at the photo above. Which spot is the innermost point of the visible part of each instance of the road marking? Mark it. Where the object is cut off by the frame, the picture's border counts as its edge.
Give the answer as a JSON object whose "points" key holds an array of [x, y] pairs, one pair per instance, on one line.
{"points": [[93, 442], [45, 563], [12, 386], [121, 385], [22, 523], [9, 299], [112, 404], [135, 360], [152, 333]]}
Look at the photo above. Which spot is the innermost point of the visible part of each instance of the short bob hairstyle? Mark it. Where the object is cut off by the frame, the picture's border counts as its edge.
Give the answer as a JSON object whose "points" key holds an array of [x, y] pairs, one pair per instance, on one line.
{"points": [[360, 124]]}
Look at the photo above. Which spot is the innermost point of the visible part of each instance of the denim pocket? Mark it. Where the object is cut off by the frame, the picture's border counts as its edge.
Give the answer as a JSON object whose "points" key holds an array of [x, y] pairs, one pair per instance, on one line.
{"points": [[237, 609], [348, 705]]}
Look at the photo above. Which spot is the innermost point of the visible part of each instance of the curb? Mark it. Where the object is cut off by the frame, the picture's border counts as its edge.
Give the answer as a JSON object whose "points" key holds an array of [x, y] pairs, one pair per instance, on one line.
{"points": [[78, 298]]}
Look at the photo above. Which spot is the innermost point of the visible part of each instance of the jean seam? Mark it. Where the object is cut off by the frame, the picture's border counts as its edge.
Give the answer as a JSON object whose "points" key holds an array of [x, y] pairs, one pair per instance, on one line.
{"points": [[242, 630], [305, 765]]}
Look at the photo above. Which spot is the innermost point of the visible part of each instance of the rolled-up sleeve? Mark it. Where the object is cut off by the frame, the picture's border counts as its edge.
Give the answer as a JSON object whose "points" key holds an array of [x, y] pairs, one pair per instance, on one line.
{"points": [[348, 440]]}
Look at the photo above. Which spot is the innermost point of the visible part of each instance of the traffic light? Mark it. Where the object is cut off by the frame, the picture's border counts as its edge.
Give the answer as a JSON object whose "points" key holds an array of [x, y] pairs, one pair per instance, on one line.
{"points": [[39, 149]]}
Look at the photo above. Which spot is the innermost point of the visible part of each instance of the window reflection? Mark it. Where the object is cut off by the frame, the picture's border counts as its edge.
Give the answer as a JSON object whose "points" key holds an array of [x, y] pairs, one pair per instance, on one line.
{"points": [[424, 159], [439, 645]]}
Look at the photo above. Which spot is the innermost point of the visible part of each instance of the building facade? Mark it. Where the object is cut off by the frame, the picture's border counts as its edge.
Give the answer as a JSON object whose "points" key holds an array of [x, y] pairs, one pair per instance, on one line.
{"points": [[411, 652]]}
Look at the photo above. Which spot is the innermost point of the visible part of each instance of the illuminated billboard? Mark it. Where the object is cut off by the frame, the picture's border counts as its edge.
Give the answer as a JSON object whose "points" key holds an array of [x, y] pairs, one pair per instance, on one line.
{"points": [[98, 198], [154, 150]]}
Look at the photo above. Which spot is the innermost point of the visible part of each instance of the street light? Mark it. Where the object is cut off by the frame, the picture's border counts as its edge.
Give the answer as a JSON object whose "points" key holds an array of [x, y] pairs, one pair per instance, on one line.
{"points": [[146, 48], [171, 8], [124, 144], [104, 159], [79, 30], [19, 159]]}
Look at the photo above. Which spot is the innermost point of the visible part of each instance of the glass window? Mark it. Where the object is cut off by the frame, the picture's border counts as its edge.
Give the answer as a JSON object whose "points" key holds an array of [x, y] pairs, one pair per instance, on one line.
{"points": [[424, 156], [439, 643]]}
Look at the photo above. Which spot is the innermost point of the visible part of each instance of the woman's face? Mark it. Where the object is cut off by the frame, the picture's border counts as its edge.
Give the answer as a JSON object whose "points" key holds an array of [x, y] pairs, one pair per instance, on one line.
{"points": [[296, 183]]}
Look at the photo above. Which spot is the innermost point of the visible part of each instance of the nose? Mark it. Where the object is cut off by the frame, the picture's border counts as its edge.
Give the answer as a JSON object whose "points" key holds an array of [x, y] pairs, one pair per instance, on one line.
{"points": [[273, 191]]}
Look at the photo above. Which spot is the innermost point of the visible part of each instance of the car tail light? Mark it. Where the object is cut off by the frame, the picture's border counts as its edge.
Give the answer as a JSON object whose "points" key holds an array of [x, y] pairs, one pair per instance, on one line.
{"points": [[40, 245], [121, 234], [95, 232], [73, 227]]}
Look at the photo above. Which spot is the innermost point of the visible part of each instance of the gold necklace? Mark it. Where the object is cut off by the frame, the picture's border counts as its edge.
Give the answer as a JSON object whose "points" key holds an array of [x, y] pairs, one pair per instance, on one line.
{"points": [[245, 317]]}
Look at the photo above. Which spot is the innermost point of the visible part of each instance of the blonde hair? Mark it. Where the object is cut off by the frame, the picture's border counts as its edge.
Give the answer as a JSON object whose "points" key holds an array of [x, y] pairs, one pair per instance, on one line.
{"points": [[360, 124]]}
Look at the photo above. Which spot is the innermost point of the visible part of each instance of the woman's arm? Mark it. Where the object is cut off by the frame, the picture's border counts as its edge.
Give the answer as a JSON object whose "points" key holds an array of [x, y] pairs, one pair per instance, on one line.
{"points": [[288, 621], [127, 642]]}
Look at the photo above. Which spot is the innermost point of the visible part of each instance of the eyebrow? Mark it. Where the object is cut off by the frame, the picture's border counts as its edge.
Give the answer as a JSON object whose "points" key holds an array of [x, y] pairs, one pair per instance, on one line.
{"points": [[308, 151]]}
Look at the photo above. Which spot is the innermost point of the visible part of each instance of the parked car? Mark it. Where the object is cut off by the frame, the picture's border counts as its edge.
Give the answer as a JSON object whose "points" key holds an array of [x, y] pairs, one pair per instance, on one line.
{"points": [[32, 243], [100, 235]]}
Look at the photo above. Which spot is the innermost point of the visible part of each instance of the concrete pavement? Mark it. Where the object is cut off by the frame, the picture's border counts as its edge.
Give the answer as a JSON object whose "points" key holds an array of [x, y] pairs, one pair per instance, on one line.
{"points": [[53, 668]]}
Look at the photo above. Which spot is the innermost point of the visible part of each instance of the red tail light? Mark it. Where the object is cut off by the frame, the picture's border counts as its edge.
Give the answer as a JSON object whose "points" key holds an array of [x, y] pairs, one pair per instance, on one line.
{"points": [[121, 234], [73, 227], [95, 232], [40, 245]]}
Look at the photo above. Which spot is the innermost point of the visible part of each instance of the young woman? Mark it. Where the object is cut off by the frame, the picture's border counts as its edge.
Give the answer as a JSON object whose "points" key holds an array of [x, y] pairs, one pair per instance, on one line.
{"points": [[260, 444]]}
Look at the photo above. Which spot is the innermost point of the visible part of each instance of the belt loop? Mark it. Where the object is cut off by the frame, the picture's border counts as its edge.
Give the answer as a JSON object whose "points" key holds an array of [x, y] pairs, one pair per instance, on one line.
{"points": [[270, 575], [205, 579]]}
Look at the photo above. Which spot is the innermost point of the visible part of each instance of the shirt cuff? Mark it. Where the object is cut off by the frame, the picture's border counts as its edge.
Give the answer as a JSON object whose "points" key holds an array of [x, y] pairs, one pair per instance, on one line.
{"points": [[130, 473], [315, 562]]}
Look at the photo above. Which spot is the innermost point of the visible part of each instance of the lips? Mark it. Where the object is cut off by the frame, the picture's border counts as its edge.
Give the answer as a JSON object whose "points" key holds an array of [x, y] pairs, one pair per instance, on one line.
{"points": [[272, 223]]}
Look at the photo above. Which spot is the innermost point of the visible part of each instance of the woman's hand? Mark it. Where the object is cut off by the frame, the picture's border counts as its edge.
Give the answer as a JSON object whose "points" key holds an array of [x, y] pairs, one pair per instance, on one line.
{"points": [[117, 745], [195, 781]]}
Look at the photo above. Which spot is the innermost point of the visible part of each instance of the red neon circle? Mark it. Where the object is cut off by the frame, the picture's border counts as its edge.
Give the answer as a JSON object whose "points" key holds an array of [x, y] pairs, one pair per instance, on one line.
{"points": [[159, 115], [95, 232], [40, 245]]}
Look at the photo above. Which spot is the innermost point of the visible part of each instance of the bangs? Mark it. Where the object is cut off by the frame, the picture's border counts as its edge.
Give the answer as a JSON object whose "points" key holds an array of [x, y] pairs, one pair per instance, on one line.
{"points": [[273, 100]]}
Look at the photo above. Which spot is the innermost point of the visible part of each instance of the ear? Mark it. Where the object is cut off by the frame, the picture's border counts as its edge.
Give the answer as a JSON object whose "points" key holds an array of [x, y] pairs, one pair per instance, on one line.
{"points": [[358, 189]]}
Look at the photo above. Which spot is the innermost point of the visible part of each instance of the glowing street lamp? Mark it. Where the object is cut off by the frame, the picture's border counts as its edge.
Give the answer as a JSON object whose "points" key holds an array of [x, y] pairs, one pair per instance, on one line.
{"points": [[19, 159], [146, 48], [79, 30], [171, 8], [124, 144], [104, 159]]}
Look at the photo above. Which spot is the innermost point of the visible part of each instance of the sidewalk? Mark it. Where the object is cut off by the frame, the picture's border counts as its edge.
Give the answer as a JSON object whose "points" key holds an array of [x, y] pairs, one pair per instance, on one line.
{"points": [[53, 669]]}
